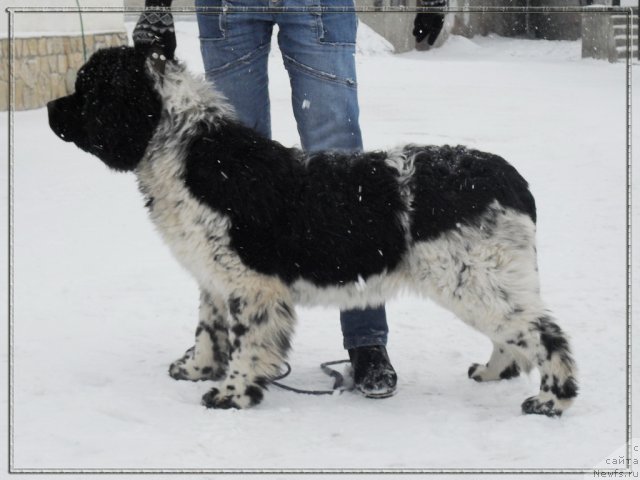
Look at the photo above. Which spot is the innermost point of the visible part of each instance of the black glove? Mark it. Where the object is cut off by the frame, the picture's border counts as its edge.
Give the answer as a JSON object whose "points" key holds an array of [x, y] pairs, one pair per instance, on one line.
{"points": [[155, 28], [429, 25]]}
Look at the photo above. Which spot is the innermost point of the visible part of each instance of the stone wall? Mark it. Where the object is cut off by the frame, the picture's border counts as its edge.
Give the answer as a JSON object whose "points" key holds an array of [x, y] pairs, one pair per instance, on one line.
{"points": [[44, 68]]}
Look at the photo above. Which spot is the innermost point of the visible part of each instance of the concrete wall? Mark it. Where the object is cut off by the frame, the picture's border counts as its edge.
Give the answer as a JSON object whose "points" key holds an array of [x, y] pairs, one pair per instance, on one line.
{"points": [[556, 26], [395, 27], [605, 36]]}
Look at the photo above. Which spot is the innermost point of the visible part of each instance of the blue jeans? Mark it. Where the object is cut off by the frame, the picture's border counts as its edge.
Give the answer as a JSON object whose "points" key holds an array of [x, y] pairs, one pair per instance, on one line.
{"points": [[318, 50]]}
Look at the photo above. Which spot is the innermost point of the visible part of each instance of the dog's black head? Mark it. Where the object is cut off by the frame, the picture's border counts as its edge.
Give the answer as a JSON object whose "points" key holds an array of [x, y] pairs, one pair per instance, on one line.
{"points": [[114, 110]]}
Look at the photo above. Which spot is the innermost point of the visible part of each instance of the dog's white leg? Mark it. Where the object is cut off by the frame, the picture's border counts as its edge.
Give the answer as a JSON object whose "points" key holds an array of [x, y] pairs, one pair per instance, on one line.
{"points": [[209, 357], [534, 336], [503, 365], [261, 325], [529, 337], [549, 350], [487, 275]]}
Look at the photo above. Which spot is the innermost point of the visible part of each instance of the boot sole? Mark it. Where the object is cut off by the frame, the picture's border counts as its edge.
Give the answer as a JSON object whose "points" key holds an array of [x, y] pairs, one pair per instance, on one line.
{"points": [[375, 395]]}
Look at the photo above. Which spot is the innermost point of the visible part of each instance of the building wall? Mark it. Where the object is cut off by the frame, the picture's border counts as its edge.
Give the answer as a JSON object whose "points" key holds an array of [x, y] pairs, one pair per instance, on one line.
{"points": [[62, 23], [552, 26], [49, 48], [395, 27]]}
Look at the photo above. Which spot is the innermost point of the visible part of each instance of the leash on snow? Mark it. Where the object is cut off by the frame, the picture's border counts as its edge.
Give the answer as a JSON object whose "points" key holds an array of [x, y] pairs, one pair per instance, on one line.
{"points": [[338, 380]]}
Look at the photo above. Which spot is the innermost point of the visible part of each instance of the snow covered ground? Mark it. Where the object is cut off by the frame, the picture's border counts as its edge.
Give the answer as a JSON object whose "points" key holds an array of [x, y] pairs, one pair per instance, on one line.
{"points": [[101, 308]]}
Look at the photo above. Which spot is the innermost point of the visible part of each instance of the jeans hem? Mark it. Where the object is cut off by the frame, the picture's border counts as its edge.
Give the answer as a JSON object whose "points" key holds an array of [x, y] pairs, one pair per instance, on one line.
{"points": [[365, 341]]}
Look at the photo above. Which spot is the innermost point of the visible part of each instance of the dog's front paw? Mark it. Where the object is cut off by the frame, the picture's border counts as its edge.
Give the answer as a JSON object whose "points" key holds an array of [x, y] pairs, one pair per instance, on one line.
{"points": [[229, 397], [188, 367], [539, 406]]}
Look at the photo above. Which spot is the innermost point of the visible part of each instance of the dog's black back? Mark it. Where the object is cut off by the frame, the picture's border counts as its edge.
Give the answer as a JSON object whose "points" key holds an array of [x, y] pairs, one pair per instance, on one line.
{"points": [[329, 219], [455, 185], [334, 217]]}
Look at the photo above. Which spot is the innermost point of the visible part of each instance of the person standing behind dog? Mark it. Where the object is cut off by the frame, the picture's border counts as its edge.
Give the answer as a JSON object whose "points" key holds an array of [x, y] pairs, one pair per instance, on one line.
{"points": [[318, 49]]}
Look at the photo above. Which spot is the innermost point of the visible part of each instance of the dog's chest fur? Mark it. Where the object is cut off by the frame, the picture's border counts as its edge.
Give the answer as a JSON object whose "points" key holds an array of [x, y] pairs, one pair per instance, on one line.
{"points": [[197, 236]]}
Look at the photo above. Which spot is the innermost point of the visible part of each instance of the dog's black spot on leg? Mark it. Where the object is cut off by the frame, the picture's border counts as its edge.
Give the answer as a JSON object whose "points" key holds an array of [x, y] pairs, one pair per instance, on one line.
{"points": [[208, 399], [510, 372], [235, 306], [262, 382], [214, 399], [472, 370], [259, 318], [460, 276], [284, 309], [254, 393], [567, 390], [239, 330], [552, 338], [533, 405], [283, 344]]}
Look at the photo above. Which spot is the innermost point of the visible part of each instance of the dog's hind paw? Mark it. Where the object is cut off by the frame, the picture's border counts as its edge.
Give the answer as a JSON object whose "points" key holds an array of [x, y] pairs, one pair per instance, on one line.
{"points": [[188, 368], [535, 405], [251, 396], [484, 373]]}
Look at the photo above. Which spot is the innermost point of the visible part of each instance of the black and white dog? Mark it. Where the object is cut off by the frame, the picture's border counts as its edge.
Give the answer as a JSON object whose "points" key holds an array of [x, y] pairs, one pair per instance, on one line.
{"points": [[263, 227]]}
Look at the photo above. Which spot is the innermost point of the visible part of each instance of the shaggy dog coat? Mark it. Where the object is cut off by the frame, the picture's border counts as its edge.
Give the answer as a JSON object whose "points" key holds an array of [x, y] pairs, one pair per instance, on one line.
{"points": [[263, 227]]}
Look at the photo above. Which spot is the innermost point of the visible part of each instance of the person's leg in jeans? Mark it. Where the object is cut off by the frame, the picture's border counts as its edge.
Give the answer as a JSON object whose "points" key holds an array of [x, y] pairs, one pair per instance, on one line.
{"points": [[318, 50], [235, 51]]}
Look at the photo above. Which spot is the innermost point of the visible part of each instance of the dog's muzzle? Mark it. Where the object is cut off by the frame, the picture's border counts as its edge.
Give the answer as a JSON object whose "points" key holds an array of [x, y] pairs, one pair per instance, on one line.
{"points": [[64, 118]]}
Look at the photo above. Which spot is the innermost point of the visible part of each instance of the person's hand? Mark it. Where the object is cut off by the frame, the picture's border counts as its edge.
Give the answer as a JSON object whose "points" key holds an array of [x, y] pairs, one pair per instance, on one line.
{"points": [[429, 25], [155, 28]]}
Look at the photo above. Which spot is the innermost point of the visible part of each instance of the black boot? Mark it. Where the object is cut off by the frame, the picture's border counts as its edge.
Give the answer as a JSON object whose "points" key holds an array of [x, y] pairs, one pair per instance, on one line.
{"points": [[373, 373]]}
